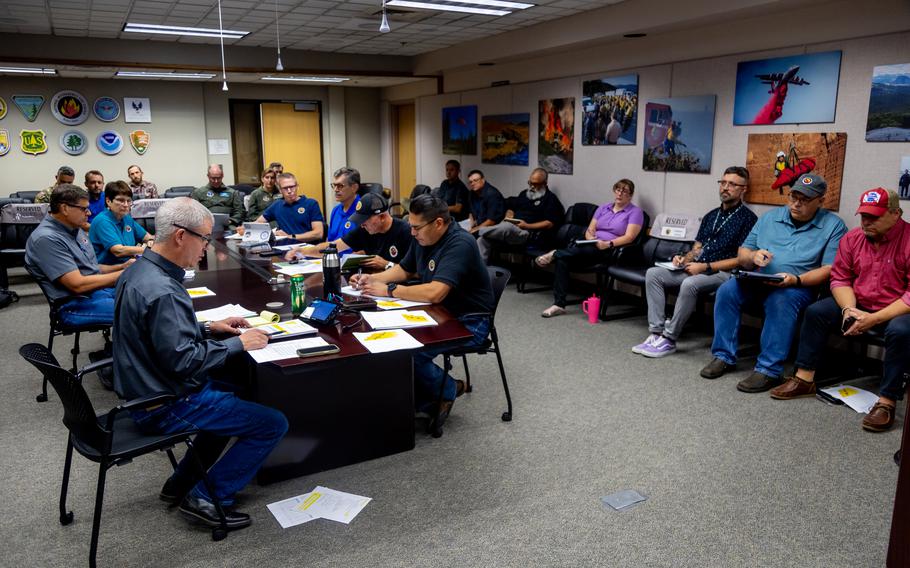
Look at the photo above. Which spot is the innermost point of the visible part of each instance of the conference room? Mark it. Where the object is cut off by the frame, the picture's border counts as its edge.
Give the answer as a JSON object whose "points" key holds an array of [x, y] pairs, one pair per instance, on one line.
{"points": [[665, 94]]}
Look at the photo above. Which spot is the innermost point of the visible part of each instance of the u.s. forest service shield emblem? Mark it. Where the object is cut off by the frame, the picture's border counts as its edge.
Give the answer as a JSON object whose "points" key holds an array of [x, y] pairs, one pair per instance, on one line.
{"points": [[33, 142]]}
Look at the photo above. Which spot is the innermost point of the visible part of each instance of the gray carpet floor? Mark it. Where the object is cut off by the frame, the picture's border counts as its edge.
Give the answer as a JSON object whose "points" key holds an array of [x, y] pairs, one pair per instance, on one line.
{"points": [[732, 479]]}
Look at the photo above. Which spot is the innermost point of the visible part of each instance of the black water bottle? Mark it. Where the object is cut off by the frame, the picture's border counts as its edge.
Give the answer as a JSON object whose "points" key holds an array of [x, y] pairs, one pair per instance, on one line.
{"points": [[331, 272]]}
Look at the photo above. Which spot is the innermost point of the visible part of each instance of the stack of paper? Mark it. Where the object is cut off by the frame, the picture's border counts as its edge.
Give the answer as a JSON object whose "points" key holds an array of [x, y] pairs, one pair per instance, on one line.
{"points": [[311, 266], [321, 503], [396, 319], [283, 329], [396, 304], [285, 349], [387, 340], [856, 398], [225, 311], [201, 292]]}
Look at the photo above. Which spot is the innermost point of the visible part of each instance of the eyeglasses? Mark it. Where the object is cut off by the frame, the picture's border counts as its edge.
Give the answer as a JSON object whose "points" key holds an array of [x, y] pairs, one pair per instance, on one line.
{"points": [[725, 184], [123, 200], [537, 184], [622, 191], [289, 187], [416, 228], [800, 200], [337, 185], [205, 239], [84, 210]]}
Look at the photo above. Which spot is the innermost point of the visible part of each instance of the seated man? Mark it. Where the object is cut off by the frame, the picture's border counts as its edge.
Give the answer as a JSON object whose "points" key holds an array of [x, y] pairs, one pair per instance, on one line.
{"points": [[116, 236], [532, 216], [487, 204], [297, 217], [61, 257], [176, 356], [378, 233], [219, 198], [702, 270], [141, 189], [346, 185], [870, 287], [455, 192], [797, 242], [262, 198], [65, 174], [94, 185], [448, 265]]}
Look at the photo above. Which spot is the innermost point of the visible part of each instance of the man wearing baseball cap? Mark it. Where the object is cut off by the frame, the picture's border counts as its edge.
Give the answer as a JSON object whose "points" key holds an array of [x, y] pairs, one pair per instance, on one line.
{"points": [[796, 242], [378, 233], [870, 287]]}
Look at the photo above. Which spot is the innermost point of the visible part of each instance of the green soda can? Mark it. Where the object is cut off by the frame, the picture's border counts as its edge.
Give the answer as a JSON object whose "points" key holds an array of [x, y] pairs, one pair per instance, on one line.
{"points": [[298, 294]]}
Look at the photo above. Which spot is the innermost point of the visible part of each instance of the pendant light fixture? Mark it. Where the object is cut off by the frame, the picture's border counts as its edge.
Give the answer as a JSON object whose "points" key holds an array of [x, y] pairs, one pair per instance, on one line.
{"points": [[278, 66], [224, 86], [384, 26]]}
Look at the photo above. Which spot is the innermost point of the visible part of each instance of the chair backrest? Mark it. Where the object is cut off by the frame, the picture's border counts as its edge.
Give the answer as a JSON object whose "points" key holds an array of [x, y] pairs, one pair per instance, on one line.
{"points": [[179, 191], [657, 249], [243, 188], [420, 189], [27, 194], [578, 217], [368, 187], [499, 277], [78, 413], [17, 221]]}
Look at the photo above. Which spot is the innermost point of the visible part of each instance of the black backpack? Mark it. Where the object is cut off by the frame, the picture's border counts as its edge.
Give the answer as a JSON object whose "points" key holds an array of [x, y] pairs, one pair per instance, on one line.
{"points": [[7, 297]]}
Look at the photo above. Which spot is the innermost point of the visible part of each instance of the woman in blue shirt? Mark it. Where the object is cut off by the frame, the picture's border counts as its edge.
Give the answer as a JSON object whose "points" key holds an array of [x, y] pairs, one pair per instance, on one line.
{"points": [[115, 235]]}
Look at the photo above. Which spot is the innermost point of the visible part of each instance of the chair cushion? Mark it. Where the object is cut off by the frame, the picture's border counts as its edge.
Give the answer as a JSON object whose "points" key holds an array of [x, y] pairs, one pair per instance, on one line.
{"points": [[129, 440], [630, 274]]}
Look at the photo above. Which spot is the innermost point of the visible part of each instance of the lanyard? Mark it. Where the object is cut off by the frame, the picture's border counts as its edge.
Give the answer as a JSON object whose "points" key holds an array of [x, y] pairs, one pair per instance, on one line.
{"points": [[715, 229]]}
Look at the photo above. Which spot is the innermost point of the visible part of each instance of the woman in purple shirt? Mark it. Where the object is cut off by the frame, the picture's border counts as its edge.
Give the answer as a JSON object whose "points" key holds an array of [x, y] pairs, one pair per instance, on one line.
{"points": [[613, 225]]}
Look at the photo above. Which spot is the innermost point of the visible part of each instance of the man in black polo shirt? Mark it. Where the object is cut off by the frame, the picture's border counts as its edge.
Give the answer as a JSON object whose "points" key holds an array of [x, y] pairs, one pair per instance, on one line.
{"points": [[487, 205], [532, 216], [451, 272], [377, 233], [455, 192]]}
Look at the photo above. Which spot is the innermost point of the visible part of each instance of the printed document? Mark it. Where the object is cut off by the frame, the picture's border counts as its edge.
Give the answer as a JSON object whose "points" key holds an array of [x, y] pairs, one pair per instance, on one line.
{"points": [[285, 349], [386, 340], [394, 319]]}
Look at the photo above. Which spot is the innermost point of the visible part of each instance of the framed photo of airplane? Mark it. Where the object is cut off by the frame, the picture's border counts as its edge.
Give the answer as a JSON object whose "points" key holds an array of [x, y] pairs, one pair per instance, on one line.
{"points": [[787, 90]]}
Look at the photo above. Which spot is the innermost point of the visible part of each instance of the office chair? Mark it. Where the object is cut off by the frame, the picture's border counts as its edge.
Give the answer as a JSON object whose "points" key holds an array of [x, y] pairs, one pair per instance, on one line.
{"points": [[14, 232], [110, 439], [179, 191], [500, 278], [57, 327]]}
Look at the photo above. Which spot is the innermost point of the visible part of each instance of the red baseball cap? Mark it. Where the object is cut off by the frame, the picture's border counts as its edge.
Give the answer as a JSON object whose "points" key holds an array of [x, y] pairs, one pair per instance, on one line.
{"points": [[877, 201]]}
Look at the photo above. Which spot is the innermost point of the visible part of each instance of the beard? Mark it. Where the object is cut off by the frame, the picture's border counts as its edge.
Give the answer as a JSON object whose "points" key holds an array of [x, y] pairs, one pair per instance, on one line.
{"points": [[534, 194]]}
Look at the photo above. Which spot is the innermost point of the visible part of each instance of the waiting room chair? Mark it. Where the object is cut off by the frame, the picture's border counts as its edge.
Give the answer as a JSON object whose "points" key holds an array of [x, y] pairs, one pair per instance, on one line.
{"points": [[110, 439], [16, 224], [243, 188], [27, 194], [500, 278], [179, 191], [368, 187]]}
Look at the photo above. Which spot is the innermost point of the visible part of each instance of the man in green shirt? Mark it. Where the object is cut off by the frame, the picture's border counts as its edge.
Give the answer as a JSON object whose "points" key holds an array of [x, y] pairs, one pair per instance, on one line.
{"points": [[219, 198]]}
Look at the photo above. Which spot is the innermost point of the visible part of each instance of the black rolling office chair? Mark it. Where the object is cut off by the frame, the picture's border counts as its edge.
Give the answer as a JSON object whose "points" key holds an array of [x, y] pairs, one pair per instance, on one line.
{"points": [[368, 187], [110, 439], [27, 194], [179, 191], [500, 278]]}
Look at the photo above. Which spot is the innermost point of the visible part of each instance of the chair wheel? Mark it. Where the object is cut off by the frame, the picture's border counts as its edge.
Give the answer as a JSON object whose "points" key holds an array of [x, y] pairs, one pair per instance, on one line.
{"points": [[469, 388], [436, 432], [66, 519], [506, 416], [41, 398], [219, 534]]}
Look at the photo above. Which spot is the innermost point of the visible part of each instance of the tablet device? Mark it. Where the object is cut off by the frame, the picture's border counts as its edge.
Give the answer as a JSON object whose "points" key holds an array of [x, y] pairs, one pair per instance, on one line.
{"points": [[353, 261], [320, 312], [757, 276]]}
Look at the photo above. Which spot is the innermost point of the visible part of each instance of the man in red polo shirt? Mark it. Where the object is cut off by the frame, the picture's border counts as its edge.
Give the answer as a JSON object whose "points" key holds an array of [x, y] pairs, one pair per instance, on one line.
{"points": [[870, 283]]}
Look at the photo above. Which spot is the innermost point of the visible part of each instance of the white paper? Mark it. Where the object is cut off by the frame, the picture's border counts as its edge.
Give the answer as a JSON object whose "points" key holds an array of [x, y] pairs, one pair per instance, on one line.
{"points": [[387, 340], [285, 349], [201, 292], [397, 304], [394, 319], [189, 274], [351, 291], [288, 512], [465, 224], [350, 261], [669, 265], [301, 267], [285, 247], [137, 109], [234, 237], [218, 146], [225, 311], [325, 503], [288, 328], [586, 242], [858, 399]]}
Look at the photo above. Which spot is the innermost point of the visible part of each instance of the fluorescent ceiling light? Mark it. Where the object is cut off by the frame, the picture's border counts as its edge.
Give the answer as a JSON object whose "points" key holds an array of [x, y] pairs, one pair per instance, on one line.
{"points": [[164, 75], [309, 79], [447, 8], [29, 70], [177, 30], [497, 4]]}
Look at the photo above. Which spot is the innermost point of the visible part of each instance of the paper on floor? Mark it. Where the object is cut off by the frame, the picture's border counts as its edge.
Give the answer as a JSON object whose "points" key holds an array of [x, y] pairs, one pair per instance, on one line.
{"points": [[858, 399], [288, 512], [320, 503]]}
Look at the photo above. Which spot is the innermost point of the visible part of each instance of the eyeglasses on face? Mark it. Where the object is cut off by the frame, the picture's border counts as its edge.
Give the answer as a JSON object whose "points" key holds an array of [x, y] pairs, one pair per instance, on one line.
{"points": [[800, 200], [416, 228], [622, 190], [338, 185], [288, 188], [726, 183], [84, 210], [205, 238], [122, 200]]}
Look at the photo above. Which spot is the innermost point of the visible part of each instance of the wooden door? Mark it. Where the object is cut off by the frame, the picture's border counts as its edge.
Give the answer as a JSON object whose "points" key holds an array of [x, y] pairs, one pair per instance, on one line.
{"points": [[406, 149], [294, 138]]}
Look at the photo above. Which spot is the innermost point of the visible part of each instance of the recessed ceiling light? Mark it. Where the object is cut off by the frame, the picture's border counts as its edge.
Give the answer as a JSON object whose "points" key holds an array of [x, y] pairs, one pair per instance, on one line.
{"points": [[29, 70], [447, 8], [309, 79], [164, 75], [177, 30]]}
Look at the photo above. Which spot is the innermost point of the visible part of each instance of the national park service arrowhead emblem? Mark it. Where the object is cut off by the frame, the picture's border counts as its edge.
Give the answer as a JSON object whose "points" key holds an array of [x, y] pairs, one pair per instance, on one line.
{"points": [[139, 140]]}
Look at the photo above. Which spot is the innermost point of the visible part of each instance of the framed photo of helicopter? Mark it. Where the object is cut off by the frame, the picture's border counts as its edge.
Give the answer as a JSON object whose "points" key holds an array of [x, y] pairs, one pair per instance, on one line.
{"points": [[787, 90]]}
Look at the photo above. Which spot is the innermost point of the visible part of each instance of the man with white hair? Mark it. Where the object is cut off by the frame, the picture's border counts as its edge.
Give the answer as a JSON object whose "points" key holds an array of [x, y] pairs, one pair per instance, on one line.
{"points": [[219, 198], [176, 355]]}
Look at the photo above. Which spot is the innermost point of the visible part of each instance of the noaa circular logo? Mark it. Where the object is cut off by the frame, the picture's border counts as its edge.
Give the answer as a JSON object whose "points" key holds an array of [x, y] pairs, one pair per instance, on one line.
{"points": [[109, 142], [300, 210], [348, 224], [359, 205], [73, 142], [106, 109], [393, 251], [70, 108], [128, 229], [210, 194], [432, 265]]}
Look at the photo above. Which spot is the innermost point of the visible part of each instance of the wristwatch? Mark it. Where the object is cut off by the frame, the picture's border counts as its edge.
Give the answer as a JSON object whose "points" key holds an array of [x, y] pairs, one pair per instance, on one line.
{"points": [[207, 328], [389, 265], [391, 288]]}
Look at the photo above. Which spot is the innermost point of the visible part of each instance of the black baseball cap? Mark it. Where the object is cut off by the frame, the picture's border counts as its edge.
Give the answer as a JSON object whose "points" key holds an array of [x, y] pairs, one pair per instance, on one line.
{"points": [[369, 205]]}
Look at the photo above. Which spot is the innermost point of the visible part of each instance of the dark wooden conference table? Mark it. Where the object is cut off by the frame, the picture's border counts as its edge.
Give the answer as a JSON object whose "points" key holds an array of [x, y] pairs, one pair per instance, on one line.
{"points": [[343, 408]]}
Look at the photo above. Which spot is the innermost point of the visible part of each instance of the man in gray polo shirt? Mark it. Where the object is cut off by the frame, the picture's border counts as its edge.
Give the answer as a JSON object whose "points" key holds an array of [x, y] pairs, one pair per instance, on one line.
{"points": [[63, 261]]}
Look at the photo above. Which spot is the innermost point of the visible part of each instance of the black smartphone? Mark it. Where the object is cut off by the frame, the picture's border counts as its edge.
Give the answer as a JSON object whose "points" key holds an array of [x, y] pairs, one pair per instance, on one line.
{"points": [[847, 324], [318, 350]]}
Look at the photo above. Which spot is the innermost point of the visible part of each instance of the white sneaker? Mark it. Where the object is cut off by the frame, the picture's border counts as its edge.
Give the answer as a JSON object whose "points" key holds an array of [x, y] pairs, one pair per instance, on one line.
{"points": [[552, 311], [640, 348]]}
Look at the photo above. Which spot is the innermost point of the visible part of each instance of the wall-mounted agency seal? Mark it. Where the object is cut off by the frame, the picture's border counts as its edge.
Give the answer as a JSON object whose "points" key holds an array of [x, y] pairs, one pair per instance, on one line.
{"points": [[33, 142], [70, 108], [140, 140], [73, 142], [109, 142], [106, 109], [29, 105], [4, 142], [2, 108]]}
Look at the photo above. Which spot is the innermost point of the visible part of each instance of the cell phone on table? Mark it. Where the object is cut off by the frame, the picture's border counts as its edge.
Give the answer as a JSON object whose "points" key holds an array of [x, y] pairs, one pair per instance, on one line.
{"points": [[847, 324], [318, 350]]}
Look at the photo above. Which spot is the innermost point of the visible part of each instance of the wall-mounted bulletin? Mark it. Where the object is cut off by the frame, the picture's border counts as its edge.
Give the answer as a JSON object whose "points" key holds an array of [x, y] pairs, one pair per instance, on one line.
{"points": [[459, 130], [505, 139], [679, 134], [889, 104], [776, 161], [609, 111], [556, 135], [787, 90]]}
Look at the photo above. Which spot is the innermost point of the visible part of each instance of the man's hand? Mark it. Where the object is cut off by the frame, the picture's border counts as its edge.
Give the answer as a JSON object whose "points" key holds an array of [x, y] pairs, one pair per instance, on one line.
{"points": [[762, 258], [359, 281], [239, 230], [254, 339], [864, 321], [694, 268], [590, 235], [789, 280], [678, 260], [230, 326], [292, 254], [602, 245], [280, 233], [377, 262], [374, 288], [474, 229], [522, 225], [129, 262]]}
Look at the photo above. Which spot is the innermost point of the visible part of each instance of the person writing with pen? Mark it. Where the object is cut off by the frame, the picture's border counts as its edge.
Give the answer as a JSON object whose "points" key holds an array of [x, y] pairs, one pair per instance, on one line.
{"points": [[796, 242], [447, 264]]}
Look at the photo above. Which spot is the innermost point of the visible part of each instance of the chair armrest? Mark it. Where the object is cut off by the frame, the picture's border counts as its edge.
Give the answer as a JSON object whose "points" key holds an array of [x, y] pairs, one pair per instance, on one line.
{"points": [[476, 314], [154, 399], [96, 366]]}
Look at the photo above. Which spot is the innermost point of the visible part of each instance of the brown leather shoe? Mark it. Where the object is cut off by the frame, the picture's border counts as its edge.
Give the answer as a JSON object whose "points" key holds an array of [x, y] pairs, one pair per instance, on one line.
{"points": [[459, 387], [879, 419], [793, 387]]}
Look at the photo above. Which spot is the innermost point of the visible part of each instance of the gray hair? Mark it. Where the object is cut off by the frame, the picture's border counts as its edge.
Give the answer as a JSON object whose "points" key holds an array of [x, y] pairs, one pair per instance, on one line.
{"points": [[285, 175], [351, 175], [182, 211], [213, 167]]}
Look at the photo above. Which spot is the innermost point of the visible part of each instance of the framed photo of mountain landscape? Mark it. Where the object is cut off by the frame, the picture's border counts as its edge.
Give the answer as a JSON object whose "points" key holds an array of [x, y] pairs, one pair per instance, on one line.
{"points": [[504, 139], [459, 130]]}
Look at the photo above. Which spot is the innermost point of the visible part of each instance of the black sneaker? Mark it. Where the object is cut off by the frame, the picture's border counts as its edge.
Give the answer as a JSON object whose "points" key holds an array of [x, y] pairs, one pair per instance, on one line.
{"points": [[716, 368], [758, 382]]}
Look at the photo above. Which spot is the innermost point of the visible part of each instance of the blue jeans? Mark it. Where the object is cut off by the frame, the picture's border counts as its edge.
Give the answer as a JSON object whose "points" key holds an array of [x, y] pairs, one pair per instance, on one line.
{"points": [[95, 309], [782, 307], [428, 376], [258, 429]]}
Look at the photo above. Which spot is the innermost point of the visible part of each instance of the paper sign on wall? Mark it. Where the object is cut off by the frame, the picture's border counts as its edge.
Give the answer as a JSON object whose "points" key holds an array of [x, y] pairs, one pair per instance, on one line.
{"points": [[137, 109], [219, 146]]}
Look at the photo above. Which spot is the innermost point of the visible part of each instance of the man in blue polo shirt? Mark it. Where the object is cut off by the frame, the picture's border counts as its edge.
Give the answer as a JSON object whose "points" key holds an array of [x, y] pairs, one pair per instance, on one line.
{"points": [[345, 184], [297, 217], [114, 233], [798, 242], [94, 184], [488, 207]]}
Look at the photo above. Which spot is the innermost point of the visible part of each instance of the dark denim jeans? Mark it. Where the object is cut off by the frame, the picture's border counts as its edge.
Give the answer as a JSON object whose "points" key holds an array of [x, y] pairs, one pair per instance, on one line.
{"points": [[95, 309], [781, 306], [258, 429], [824, 317], [568, 259], [428, 376]]}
